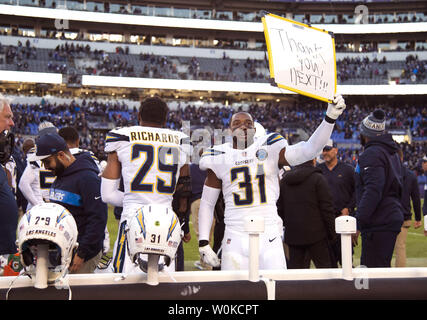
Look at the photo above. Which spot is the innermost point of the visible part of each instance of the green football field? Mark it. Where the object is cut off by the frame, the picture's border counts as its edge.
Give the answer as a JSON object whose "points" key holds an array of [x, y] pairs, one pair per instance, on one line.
{"points": [[416, 246]]}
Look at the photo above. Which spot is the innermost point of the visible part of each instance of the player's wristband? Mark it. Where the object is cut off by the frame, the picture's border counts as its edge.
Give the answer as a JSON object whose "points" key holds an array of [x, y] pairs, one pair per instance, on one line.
{"points": [[425, 223], [329, 120], [203, 243]]}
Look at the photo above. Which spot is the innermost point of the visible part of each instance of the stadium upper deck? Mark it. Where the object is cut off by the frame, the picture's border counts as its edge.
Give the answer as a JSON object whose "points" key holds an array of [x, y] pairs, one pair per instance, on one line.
{"points": [[168, 28]]}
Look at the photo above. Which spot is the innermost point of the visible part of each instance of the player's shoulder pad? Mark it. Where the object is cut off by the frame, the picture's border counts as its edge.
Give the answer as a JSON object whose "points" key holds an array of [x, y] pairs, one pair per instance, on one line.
{"points": [[34, 164], [185, 140], [272, 138], [117, 134], [212, 152], [80, 151]]}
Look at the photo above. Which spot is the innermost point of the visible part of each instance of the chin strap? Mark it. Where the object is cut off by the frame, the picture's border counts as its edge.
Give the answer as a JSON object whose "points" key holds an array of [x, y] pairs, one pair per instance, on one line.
{"points": [[25, 273]]}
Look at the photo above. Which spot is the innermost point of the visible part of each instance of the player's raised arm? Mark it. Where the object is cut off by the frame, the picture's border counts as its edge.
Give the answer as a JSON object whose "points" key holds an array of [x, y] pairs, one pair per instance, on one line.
{"points": [[210, 194], [110, 181], [307, 150]]}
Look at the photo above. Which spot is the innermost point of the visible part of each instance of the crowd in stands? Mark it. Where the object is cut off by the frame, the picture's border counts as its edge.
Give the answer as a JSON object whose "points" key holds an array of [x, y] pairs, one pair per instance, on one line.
{"points": [[18, 55], [361, 68], [63, 59], [273, 116], [254, 16], [348, 46], [415, 70]]}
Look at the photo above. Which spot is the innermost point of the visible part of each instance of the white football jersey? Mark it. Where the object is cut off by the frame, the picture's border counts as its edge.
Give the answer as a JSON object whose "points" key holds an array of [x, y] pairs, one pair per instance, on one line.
{"points": [[151, 159], [11, 167], [250, 178], [35, 182]]}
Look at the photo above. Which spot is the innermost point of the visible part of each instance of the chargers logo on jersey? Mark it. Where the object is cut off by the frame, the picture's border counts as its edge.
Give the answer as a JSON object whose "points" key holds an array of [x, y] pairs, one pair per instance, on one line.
{"points": [[261, 154]]}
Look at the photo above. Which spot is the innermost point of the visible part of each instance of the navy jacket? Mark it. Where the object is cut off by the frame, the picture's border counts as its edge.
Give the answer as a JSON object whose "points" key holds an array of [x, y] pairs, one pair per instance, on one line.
{"points": [[306, 207], [79, 190], [342, 185], [379, 186], [8, 216], [410, 191]]}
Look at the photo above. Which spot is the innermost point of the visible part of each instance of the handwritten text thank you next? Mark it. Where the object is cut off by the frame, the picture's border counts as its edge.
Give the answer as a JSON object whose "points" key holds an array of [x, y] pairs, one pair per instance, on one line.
{"points": [[302, 59]]}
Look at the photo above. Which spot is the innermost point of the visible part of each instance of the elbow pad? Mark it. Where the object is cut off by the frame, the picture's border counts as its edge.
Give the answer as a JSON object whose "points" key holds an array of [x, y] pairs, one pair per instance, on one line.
{"points": [[206, 211], [110, 192], [308, 150]]}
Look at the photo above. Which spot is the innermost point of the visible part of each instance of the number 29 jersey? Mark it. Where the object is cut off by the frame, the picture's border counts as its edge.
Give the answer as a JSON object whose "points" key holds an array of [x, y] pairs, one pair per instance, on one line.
{"points": [[250, 178], [151, 159]]}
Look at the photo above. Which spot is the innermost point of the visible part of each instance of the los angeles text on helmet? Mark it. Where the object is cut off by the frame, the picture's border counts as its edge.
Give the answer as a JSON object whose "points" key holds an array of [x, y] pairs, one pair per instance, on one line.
{"points": [[155, 250], [43, 232]]}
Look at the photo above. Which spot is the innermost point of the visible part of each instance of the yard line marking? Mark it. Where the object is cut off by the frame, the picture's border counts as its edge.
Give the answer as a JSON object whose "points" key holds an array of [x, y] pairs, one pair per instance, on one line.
{"points": [[416, 234]]}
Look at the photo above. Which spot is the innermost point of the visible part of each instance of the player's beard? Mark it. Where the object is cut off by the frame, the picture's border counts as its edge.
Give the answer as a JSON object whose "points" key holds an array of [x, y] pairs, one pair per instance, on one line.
{"points": [[59, 168], [243, 138]]}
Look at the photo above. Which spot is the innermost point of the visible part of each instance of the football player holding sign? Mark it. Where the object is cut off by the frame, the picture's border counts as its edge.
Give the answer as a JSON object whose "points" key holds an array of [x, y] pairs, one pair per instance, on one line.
{"points": [[247, 171]]}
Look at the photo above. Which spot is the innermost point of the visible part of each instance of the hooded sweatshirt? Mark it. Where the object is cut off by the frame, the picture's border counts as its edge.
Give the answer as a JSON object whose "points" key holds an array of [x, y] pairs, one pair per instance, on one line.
{"points": [[379, 186], [79, 190], [306, 206]]}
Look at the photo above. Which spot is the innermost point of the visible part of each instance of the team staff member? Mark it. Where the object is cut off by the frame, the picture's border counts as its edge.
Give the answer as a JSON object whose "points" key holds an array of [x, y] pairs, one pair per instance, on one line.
{"points": [[8, 206], [77, 188], [341, 181], [410, 192], [378, 192], [340, 177], [306, 207], [72, 138]]}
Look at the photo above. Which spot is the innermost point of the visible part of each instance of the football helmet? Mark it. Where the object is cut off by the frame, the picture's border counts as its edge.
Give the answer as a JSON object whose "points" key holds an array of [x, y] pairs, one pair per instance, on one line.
{"points": [[48, 223], [260, 130], [154, 229]]}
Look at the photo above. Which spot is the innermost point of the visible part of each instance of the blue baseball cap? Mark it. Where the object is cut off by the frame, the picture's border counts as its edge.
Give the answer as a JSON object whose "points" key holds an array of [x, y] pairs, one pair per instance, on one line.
{"points": [[49, 144]]}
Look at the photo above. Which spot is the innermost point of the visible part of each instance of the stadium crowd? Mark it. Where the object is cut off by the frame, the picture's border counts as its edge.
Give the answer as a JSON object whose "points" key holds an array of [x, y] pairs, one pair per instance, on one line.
{"points": [[78, 59], [283, 118], [217, 14]]}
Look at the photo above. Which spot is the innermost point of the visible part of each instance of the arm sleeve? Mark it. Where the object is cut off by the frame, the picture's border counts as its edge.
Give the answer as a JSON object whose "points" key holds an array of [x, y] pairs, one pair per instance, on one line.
{"points": [[110, 192], [96, 213], [206, 211], [308, 150], [27, 178]]}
